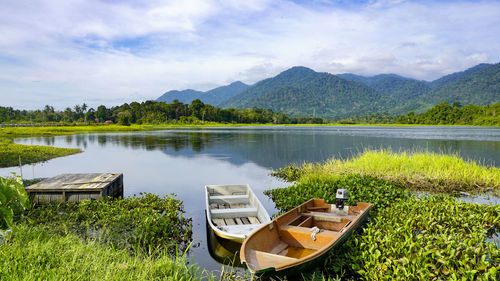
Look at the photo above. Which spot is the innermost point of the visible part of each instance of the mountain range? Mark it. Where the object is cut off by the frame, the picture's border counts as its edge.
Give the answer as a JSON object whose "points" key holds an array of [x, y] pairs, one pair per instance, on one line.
{"points": [[300, 91]]}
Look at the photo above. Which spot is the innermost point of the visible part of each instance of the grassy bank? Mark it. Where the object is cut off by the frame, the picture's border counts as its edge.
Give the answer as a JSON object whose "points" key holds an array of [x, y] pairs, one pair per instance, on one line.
{"points": [[10, 153], [409, 237], [138, 238], [35, 253], [418, 171]]}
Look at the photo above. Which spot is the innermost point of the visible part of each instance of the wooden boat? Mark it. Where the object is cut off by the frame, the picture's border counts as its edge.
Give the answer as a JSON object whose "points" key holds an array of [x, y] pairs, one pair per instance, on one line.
{"points": [[297, 239], [233, 211]]}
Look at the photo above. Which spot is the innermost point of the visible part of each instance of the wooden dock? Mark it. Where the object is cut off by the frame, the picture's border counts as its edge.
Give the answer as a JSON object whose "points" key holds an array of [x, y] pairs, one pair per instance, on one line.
{"points": [[76, 188]]}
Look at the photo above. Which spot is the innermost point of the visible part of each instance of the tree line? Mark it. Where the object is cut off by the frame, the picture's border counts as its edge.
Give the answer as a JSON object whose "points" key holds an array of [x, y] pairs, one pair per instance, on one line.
{"points": [[440, 114], [151, 112]]}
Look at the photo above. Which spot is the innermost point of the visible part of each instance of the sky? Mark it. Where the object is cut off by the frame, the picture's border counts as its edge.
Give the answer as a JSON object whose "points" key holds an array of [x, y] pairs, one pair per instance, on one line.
{"points": [[67, 52]]}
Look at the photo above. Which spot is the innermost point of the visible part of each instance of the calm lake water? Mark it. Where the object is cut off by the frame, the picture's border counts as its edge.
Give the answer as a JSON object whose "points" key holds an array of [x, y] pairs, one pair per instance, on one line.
{"points": [[182, 161]]}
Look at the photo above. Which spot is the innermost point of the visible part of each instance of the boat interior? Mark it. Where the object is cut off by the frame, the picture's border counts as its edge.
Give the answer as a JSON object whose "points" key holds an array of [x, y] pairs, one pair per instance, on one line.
{"points": [[232, 205], [300, 233]]}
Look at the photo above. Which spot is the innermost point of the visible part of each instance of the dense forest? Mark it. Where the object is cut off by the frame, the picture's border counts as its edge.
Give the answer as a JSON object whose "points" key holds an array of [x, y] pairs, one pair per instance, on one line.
{"points": [[150, 112], [441, 114]]}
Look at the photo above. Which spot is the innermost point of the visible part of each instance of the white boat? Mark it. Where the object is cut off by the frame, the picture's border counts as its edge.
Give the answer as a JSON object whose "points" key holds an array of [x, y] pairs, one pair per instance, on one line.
{"points": [[233, 211]]}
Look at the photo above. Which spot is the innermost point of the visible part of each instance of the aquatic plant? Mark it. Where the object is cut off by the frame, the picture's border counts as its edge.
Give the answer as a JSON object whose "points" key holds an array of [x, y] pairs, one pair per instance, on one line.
{"points": [[435, 237], [146, 223], [407, 238], [380, 192], [13, 200], [10, 153]]}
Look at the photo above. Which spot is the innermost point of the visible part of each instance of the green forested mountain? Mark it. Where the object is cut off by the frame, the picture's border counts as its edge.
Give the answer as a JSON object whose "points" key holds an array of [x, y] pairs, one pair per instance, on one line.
{"points": [[302, 91], [184, 96], [450, 78], [399, 88], [482, 87], [213, 97]]}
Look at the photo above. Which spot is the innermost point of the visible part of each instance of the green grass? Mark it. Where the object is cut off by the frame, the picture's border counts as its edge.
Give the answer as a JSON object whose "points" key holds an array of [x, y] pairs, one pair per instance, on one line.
{"points": [[17, 132], [418, 170], [10, 153], [33, 253]]}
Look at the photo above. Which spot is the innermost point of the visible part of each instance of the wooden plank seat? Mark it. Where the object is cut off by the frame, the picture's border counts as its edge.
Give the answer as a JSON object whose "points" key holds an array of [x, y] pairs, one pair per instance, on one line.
{"points": [[265, 259], [298, 236], [225, 197], [229, 199], [236, 221], [233, 213], [322, 216]]}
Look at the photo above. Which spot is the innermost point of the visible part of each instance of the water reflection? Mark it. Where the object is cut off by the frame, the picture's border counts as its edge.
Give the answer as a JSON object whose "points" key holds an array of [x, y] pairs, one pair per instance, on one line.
{"points": [[277, 147]]}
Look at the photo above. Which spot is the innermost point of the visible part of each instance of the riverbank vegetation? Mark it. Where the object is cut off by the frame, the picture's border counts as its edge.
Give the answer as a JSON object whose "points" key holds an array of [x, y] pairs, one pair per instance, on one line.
{"points": [[424, 171], [11, 153], [440, 114], [198, 113], [137, 238], [410, 236], [150, 112]]}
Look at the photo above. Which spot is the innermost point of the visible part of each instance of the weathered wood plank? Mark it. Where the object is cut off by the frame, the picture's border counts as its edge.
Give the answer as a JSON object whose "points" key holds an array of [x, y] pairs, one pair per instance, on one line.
{"points": [[254, 220], [219, 222], [76, 187]]}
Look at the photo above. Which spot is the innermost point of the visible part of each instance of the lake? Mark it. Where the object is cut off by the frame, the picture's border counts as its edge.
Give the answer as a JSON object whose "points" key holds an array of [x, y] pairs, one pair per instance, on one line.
{"points": [[182, 161]]}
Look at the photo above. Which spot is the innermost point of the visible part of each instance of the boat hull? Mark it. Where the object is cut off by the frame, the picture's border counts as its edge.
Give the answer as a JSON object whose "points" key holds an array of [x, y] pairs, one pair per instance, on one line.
{"points": [[309, 265], [233, 211], [301, 238]]}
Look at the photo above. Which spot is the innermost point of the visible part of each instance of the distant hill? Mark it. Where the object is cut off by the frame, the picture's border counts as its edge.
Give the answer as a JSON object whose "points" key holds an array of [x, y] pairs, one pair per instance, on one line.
{"points": [[399, 88], [302, 91], [450, 78], [212, 97], [480, 86], [184, 96]]}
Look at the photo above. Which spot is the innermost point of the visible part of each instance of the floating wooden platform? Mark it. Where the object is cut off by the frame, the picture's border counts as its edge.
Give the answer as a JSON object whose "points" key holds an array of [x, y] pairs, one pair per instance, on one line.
{"points": [[76, 188]]}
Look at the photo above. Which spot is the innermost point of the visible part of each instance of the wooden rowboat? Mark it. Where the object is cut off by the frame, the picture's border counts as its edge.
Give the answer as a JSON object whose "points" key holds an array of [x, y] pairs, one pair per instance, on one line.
{"points": [[297, 239], [233, 211]]}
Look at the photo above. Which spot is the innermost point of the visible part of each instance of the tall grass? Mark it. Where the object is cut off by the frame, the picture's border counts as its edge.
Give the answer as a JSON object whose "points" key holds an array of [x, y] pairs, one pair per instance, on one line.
{"points": [[32, 253], [417, 170]]}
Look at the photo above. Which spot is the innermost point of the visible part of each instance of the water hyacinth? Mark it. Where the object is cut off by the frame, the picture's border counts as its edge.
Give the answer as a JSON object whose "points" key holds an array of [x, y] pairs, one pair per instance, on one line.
{"points": [[428, 238]]}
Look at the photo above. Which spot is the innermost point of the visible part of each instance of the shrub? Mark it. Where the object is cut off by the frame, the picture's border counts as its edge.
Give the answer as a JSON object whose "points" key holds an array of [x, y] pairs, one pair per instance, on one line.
{"points": [[140, 224], [13, 200]]}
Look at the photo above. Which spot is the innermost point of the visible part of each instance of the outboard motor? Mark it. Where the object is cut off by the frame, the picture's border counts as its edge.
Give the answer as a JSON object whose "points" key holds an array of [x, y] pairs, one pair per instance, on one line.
{"points": [[341, 197]]}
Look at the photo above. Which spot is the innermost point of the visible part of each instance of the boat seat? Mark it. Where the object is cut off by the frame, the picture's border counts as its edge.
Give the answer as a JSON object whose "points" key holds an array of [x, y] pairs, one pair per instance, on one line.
{"points": [[230, 199], [298, 236], [225, 197], [323, 216], [259, 259], [234, 213]]}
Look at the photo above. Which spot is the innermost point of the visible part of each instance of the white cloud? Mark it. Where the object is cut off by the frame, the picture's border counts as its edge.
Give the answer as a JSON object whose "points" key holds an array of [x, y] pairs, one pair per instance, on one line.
{"points": [[111, 52]]}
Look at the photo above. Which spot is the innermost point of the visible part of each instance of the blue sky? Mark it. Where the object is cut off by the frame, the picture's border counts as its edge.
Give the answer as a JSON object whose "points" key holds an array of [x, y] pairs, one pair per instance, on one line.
{"points": [[68, 52]]}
